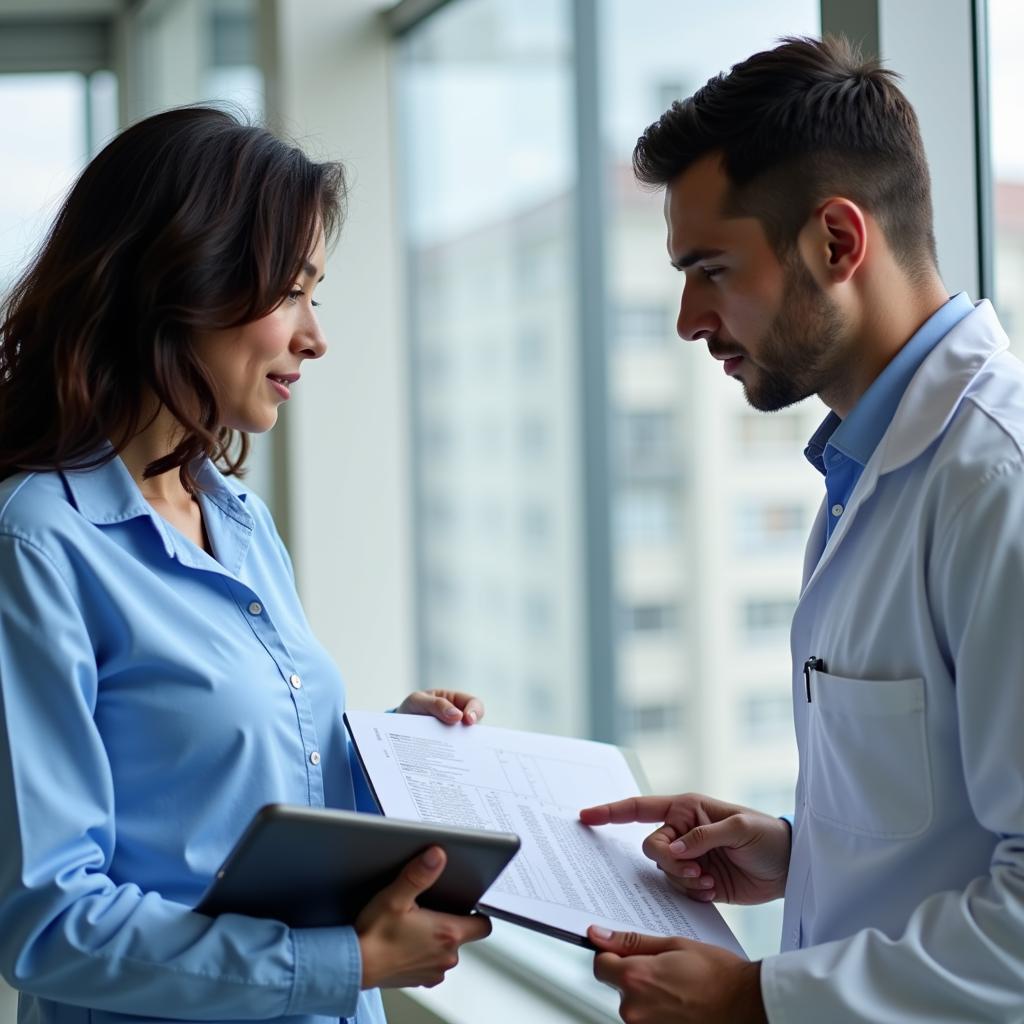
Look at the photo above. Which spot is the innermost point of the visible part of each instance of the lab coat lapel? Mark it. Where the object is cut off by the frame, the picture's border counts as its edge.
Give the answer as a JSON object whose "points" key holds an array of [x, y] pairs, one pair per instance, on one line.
{"points": [[864, 489], [815, 544]]}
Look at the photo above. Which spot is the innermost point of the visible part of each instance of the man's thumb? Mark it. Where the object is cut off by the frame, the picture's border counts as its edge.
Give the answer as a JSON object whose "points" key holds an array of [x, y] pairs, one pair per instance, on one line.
{"points": [[628, 943]]}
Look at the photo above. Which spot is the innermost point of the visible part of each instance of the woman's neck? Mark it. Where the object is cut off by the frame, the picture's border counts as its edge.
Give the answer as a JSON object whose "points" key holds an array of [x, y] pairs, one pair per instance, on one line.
{"points": [[154, 442]]}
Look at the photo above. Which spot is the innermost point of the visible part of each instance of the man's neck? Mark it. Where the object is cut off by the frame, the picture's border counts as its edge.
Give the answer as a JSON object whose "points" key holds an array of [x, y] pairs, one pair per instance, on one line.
{"points": [[891, 316]]}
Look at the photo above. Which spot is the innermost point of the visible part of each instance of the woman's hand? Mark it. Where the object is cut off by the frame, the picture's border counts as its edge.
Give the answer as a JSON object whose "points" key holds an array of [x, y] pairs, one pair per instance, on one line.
{"points": [[447, 706], [709, 849], [401, 943]]}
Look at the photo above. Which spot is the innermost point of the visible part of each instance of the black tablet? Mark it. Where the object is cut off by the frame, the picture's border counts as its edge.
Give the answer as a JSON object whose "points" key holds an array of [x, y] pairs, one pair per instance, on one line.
{"points": [[311, 867]]}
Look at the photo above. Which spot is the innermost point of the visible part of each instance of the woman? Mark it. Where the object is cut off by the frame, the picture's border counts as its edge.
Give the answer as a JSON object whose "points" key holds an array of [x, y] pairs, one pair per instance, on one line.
{"points": [[158, 679]]}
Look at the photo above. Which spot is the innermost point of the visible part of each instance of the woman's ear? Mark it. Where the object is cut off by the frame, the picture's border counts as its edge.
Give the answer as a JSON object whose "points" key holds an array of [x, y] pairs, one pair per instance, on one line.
{"points": [[834, 241]]}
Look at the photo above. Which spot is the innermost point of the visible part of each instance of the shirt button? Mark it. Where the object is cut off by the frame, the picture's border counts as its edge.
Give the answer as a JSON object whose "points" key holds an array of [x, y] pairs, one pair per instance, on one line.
{"points": [[314, 758], [837, 510], [255, 608], [295, 681]]}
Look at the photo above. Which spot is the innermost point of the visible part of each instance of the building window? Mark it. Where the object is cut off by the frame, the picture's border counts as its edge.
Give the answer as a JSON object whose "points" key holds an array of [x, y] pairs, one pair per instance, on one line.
{"points": [[647, 515], [647, 443], [639, 325], [768, 526], [766, 718], [535, 520], [653, 719], [647, 619], [762, 434], [767, 619]]}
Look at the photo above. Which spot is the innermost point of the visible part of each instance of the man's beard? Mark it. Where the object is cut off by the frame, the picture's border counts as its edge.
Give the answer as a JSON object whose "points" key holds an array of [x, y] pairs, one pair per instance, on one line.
{"points": [[798, 354]]}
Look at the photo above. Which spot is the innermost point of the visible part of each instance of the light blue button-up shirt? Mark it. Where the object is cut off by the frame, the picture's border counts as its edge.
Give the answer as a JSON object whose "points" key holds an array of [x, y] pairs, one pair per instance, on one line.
{"points": [[840, 449], [152, 699]]}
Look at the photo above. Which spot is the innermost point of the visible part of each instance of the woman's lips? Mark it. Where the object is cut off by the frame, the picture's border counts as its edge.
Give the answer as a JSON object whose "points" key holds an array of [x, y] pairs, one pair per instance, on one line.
{"points": [[280, 388]]}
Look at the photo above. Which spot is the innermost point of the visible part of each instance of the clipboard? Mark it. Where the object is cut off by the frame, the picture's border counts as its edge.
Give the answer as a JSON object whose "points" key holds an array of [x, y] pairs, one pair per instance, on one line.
{"points": [[313, 867]]}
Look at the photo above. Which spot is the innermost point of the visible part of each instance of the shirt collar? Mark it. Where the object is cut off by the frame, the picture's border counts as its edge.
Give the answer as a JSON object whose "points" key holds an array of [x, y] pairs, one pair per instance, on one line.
{"points": [[858, 435], [107, 494]]}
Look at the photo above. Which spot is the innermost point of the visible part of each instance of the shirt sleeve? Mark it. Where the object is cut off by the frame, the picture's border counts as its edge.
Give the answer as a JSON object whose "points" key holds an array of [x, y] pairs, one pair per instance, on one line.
{"points": [[961, 956], [69, 933]]}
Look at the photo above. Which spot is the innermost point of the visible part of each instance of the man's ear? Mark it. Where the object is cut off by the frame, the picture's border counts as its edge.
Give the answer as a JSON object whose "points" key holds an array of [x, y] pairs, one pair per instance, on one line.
{"points": [[834, 240]]}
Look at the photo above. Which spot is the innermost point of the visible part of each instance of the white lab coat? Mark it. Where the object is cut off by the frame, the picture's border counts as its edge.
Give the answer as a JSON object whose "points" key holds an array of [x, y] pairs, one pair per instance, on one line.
{"points": [[905, 897]]}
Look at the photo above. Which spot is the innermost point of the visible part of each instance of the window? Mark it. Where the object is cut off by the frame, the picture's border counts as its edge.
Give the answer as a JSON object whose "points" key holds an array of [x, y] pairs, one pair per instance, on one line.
{"points": [[647, 515], [767, 619], [496, 266], [653, 719], [647, 442], [650, 618], [770, 526], [1006, 36], [639, 325], [491, 301], [766, 718], [766, 434], [53, 122], [536, 523]]}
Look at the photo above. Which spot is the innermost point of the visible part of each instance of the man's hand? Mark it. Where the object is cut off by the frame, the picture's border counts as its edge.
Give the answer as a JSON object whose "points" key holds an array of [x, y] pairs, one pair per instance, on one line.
{"points": [[447, 706], [401, 943], [709, 849], [677, 981]]}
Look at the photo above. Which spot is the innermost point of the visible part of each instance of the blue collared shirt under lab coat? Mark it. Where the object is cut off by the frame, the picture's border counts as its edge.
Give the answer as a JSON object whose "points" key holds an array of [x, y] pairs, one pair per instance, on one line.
{"points": [[905, 894], [840, 449], [152, 698]]}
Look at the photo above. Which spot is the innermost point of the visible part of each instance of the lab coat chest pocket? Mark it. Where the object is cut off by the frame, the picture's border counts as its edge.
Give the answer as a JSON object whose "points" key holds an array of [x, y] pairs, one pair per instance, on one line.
{"points": [[869, 770]]}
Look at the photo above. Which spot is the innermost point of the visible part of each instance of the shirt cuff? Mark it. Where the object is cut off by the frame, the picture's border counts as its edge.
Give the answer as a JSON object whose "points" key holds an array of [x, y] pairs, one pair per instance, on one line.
{"points": [[328, 970]]}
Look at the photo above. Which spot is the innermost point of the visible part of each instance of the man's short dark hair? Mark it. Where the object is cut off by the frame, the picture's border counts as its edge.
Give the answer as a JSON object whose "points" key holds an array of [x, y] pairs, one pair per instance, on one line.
{"points": [[794, 125]]}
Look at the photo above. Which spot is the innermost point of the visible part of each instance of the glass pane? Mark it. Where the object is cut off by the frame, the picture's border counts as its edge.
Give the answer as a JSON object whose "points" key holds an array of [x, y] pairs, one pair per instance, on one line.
{"points": [[45, 147], [233, 74], [1006, 71], [485, 108], [486, 131], [713, 500]]}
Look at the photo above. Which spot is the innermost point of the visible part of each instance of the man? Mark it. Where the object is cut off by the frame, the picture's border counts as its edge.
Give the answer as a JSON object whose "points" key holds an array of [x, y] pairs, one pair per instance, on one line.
{"points": [[798, 208]]}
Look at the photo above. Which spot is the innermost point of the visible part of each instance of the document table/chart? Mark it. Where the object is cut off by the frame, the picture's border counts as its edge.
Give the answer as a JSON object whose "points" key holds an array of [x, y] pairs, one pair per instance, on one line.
{"points": [[567, 875]]}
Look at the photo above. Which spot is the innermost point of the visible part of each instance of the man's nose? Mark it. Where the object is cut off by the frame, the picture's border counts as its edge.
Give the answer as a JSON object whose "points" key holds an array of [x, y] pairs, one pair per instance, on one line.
{"points": [[697, 320]]}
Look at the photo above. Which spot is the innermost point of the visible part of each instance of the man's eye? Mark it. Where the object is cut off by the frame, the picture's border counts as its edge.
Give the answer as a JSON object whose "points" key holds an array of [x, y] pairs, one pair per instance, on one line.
{"points": [[712, 272]]}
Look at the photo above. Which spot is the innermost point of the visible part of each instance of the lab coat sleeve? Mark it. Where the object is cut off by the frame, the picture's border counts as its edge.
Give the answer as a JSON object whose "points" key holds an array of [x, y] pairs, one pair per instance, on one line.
{"points": [[67, 931], [961, 956]]}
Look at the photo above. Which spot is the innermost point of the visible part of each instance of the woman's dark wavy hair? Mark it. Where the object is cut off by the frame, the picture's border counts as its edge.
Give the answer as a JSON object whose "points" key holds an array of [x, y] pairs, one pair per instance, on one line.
{"points": [[794, 125], [190, 220]]}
